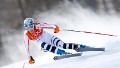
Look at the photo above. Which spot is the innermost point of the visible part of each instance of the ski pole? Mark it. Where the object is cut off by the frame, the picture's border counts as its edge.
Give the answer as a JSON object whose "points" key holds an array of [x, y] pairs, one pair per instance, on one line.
{"points": [[24, 65], [89, 32]]}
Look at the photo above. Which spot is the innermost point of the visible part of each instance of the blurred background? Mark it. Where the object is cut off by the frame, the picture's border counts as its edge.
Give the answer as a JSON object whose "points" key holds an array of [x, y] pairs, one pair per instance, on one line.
{"points": [[13, 13]]}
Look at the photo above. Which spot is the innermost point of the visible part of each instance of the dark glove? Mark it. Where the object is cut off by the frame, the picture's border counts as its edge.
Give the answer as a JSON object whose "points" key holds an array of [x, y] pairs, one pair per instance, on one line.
{"points": [[31, 61]]}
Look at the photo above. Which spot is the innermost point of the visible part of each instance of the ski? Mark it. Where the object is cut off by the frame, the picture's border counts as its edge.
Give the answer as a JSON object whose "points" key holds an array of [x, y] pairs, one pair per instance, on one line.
{"points": [[90, 49], [67, 56], [78, 54]]}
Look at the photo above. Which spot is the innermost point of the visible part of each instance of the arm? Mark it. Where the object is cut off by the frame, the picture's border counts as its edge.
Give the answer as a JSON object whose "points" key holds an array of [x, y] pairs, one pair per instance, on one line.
{"points": [[27, 47], [26, 42], [48, 26]]}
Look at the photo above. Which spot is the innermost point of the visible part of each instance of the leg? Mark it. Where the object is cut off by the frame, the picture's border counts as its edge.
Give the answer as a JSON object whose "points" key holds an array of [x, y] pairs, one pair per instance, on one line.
{"points": [[53, 49], [57, 42]]}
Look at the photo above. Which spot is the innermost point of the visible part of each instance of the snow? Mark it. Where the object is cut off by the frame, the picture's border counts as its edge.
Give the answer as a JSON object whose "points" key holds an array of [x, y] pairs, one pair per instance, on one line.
{"points": [[81, 19], [107, 59]]}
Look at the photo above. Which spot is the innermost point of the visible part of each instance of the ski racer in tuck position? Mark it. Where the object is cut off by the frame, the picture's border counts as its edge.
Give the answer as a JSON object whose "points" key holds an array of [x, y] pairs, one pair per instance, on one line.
{"points": [[34, 31]]}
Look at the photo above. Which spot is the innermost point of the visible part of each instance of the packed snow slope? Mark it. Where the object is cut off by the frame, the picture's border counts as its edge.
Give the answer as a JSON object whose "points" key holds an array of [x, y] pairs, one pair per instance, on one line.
{"points": [[78, 18], [108, 59]]}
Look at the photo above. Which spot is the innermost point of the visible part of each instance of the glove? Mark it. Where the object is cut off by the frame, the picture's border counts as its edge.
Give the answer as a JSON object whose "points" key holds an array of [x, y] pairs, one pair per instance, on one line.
{"points": [[56, 30], [31, 61]]}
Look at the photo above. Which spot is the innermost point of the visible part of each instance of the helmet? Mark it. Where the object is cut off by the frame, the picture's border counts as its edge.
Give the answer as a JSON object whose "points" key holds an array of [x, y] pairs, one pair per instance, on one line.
{"points": [[29, 23]]}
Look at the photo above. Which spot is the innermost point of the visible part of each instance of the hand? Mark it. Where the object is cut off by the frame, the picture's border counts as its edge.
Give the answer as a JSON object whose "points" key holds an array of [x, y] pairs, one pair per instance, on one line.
{"points": [[56, 30], [31, 61]]}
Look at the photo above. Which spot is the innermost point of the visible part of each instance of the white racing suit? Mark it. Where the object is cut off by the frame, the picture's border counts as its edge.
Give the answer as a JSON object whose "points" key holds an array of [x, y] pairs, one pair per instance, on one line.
{"points": [[49, 43]]}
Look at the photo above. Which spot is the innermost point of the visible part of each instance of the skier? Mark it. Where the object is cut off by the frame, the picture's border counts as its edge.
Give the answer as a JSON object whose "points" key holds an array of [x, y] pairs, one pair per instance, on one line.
{"points": [[35, 32]]}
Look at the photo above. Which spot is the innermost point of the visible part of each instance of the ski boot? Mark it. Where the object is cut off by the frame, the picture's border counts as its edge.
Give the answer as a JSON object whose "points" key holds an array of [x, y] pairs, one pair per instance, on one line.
{"points": [[81, 47], [84, 46], [62, 52]]}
